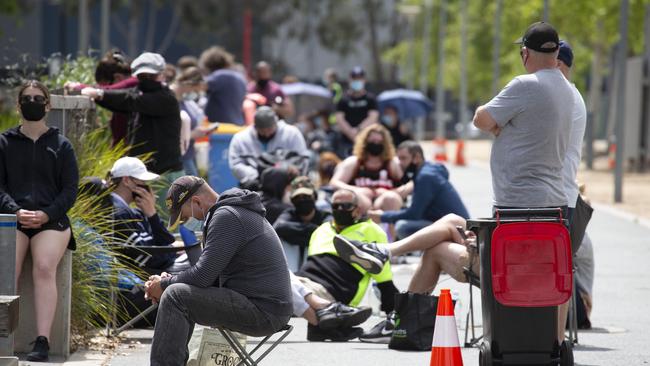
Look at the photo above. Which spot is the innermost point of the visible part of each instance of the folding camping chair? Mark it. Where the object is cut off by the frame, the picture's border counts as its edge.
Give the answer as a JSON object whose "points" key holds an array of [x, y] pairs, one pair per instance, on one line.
{"points": [[247, 357], [473, 279], [193, 252]]}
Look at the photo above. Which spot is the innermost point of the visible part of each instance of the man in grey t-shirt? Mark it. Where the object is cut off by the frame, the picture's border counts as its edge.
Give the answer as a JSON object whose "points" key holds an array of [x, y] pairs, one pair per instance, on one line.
{"points": [[531, 121]]}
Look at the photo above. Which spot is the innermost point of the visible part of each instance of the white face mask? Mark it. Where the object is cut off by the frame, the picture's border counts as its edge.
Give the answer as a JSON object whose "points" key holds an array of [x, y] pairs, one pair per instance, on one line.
{"points": [[194, 224]]}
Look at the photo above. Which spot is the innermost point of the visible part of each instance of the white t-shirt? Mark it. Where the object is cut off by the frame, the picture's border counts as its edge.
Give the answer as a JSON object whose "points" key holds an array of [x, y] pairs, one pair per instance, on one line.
{"points": [[574, 148]]}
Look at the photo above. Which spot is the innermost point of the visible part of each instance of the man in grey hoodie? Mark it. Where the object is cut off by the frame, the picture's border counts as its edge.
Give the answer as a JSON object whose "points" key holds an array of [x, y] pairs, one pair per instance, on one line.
{"points": [[266, 136], [240, 282]]}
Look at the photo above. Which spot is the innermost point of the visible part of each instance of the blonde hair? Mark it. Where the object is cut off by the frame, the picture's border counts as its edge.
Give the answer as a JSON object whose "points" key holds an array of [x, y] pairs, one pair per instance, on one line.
{"points": [[360, 143]]}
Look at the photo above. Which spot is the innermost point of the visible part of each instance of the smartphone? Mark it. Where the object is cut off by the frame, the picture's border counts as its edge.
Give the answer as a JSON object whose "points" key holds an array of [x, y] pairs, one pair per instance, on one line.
{"points": [[461, 231]]}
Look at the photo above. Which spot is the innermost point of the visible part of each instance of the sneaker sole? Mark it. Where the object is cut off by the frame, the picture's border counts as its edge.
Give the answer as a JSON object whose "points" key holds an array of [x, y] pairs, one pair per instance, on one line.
{"points": [[378, 340], [325, 338], [351, 254], [345, 321]]}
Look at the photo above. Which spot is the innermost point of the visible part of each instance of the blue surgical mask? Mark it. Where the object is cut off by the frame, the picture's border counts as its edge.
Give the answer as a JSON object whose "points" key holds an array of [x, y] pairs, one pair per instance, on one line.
{"points": [[194, 224], [387, 120], [191, 96], [357, 85]]}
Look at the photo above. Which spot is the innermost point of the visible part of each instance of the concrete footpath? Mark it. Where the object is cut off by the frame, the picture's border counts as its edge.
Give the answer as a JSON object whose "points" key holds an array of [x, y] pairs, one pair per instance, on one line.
{"points": [[620, 317]]}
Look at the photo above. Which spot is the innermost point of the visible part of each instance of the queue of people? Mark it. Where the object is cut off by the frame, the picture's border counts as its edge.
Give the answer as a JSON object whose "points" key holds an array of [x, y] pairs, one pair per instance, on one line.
{"points": [[337, 223]]}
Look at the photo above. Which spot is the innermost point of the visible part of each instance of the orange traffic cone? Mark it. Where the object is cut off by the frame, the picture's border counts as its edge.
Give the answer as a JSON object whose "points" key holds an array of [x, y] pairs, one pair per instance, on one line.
{"points": [[612, 155], [460, 152], [445, 350], [439, 149]]}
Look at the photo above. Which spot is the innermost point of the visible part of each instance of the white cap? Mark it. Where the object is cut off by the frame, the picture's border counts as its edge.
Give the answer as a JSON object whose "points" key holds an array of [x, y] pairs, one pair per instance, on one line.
{"points": [[149, 63], [132, 167]]}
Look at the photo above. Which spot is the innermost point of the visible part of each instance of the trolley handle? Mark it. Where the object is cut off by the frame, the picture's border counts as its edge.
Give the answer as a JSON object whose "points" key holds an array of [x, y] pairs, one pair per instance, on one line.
{"points": [[528, 213]]}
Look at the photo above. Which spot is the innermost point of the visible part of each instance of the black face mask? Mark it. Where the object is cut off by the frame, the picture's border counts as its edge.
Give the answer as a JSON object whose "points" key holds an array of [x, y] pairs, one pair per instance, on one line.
{"points": [[304, 207], [32, 111], [374, 148], [343, 218], [265, 139], [410, 173], [148, 85], [261, 83]]}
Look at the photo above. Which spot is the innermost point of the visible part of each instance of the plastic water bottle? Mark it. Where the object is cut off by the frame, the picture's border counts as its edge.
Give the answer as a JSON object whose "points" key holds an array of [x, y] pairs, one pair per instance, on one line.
{"points": [[458, 308]]}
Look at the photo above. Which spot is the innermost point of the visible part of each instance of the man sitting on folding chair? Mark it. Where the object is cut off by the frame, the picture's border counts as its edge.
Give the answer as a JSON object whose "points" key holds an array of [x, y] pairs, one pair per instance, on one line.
{"points": [[240, 282], [141, 226]]}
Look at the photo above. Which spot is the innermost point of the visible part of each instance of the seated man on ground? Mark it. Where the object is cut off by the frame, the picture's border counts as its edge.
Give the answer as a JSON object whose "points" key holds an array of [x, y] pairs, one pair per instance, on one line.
{"points": [[267, 135], [433, 195], [334, 279], [275, 184], [372, 172], [240, 282], [443, 246], [140, 225], [296, 224]]}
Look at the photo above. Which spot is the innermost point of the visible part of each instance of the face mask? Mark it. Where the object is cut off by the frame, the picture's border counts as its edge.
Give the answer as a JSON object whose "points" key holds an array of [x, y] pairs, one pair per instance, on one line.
{"points": [[147, 85], [318, 122], [194, 224], [304, 206], [265, 139], [32, 111], [374, 148], [410, 173], [343, 218], [388, 120], [262, 83], [357, 85], [191, 96]]}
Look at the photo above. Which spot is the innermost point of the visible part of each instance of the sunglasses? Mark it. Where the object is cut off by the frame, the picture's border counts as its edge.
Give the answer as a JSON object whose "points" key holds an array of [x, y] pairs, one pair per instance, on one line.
{"points": [[40, 99], [345, 206]]}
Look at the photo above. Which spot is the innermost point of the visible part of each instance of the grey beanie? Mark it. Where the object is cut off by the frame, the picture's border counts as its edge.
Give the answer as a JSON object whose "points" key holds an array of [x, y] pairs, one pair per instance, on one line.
{"points": [[265, 117]]}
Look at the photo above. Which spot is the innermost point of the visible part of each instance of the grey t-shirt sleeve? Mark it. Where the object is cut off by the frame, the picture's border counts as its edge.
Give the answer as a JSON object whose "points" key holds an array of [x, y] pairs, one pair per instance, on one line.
{"points": [[508, 103]]}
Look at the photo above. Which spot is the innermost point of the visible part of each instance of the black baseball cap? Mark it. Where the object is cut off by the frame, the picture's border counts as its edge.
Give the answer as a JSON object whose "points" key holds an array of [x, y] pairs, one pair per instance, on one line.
{"points": [[540, 37], [566, 53], [179, 192]]}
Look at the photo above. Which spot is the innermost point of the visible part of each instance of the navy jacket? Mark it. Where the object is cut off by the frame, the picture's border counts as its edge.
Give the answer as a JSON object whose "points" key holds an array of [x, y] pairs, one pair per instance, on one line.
{"points": [[132, 227], [433, 197]]}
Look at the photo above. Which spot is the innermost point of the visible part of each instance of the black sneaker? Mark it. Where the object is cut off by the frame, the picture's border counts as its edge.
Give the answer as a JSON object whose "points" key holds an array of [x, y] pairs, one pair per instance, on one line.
{"points": [[338, 315], [316, 334], [368, 255], [40, 351], [381, 332]]}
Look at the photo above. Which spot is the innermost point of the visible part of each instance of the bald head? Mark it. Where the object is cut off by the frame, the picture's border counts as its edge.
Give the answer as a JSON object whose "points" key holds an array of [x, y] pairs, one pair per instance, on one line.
{"points": [[263, 70]]}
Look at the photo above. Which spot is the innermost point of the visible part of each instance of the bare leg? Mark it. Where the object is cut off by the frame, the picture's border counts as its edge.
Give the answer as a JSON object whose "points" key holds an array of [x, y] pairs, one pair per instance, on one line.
{"points": [[47, 250], [364, 197], [446, 256], [430, 236], [22, 245], [562, 314], [315, 303], [388, 201]]}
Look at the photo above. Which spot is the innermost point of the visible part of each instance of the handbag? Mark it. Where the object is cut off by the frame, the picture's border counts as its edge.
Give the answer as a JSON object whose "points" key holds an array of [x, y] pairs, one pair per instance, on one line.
{"points": [[415, 321], [581, 216], [208, 347]]}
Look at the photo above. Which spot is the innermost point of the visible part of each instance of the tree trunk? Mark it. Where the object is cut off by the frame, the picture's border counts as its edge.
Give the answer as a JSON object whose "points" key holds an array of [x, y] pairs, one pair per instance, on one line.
{"points": [[372, 8]]}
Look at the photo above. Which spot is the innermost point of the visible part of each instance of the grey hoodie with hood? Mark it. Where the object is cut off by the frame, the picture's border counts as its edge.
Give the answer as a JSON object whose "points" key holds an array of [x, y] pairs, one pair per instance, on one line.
{"points": [[243, 253]]}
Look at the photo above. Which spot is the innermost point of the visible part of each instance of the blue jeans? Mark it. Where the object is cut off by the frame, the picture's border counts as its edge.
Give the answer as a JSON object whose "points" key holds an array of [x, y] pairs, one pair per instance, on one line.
{"points": [[182, 305], [405, 228], [189, 165]]}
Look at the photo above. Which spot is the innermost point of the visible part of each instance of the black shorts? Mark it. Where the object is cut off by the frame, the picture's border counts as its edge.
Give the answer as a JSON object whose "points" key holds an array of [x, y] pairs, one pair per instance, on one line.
{"points": [[62, 224]]}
